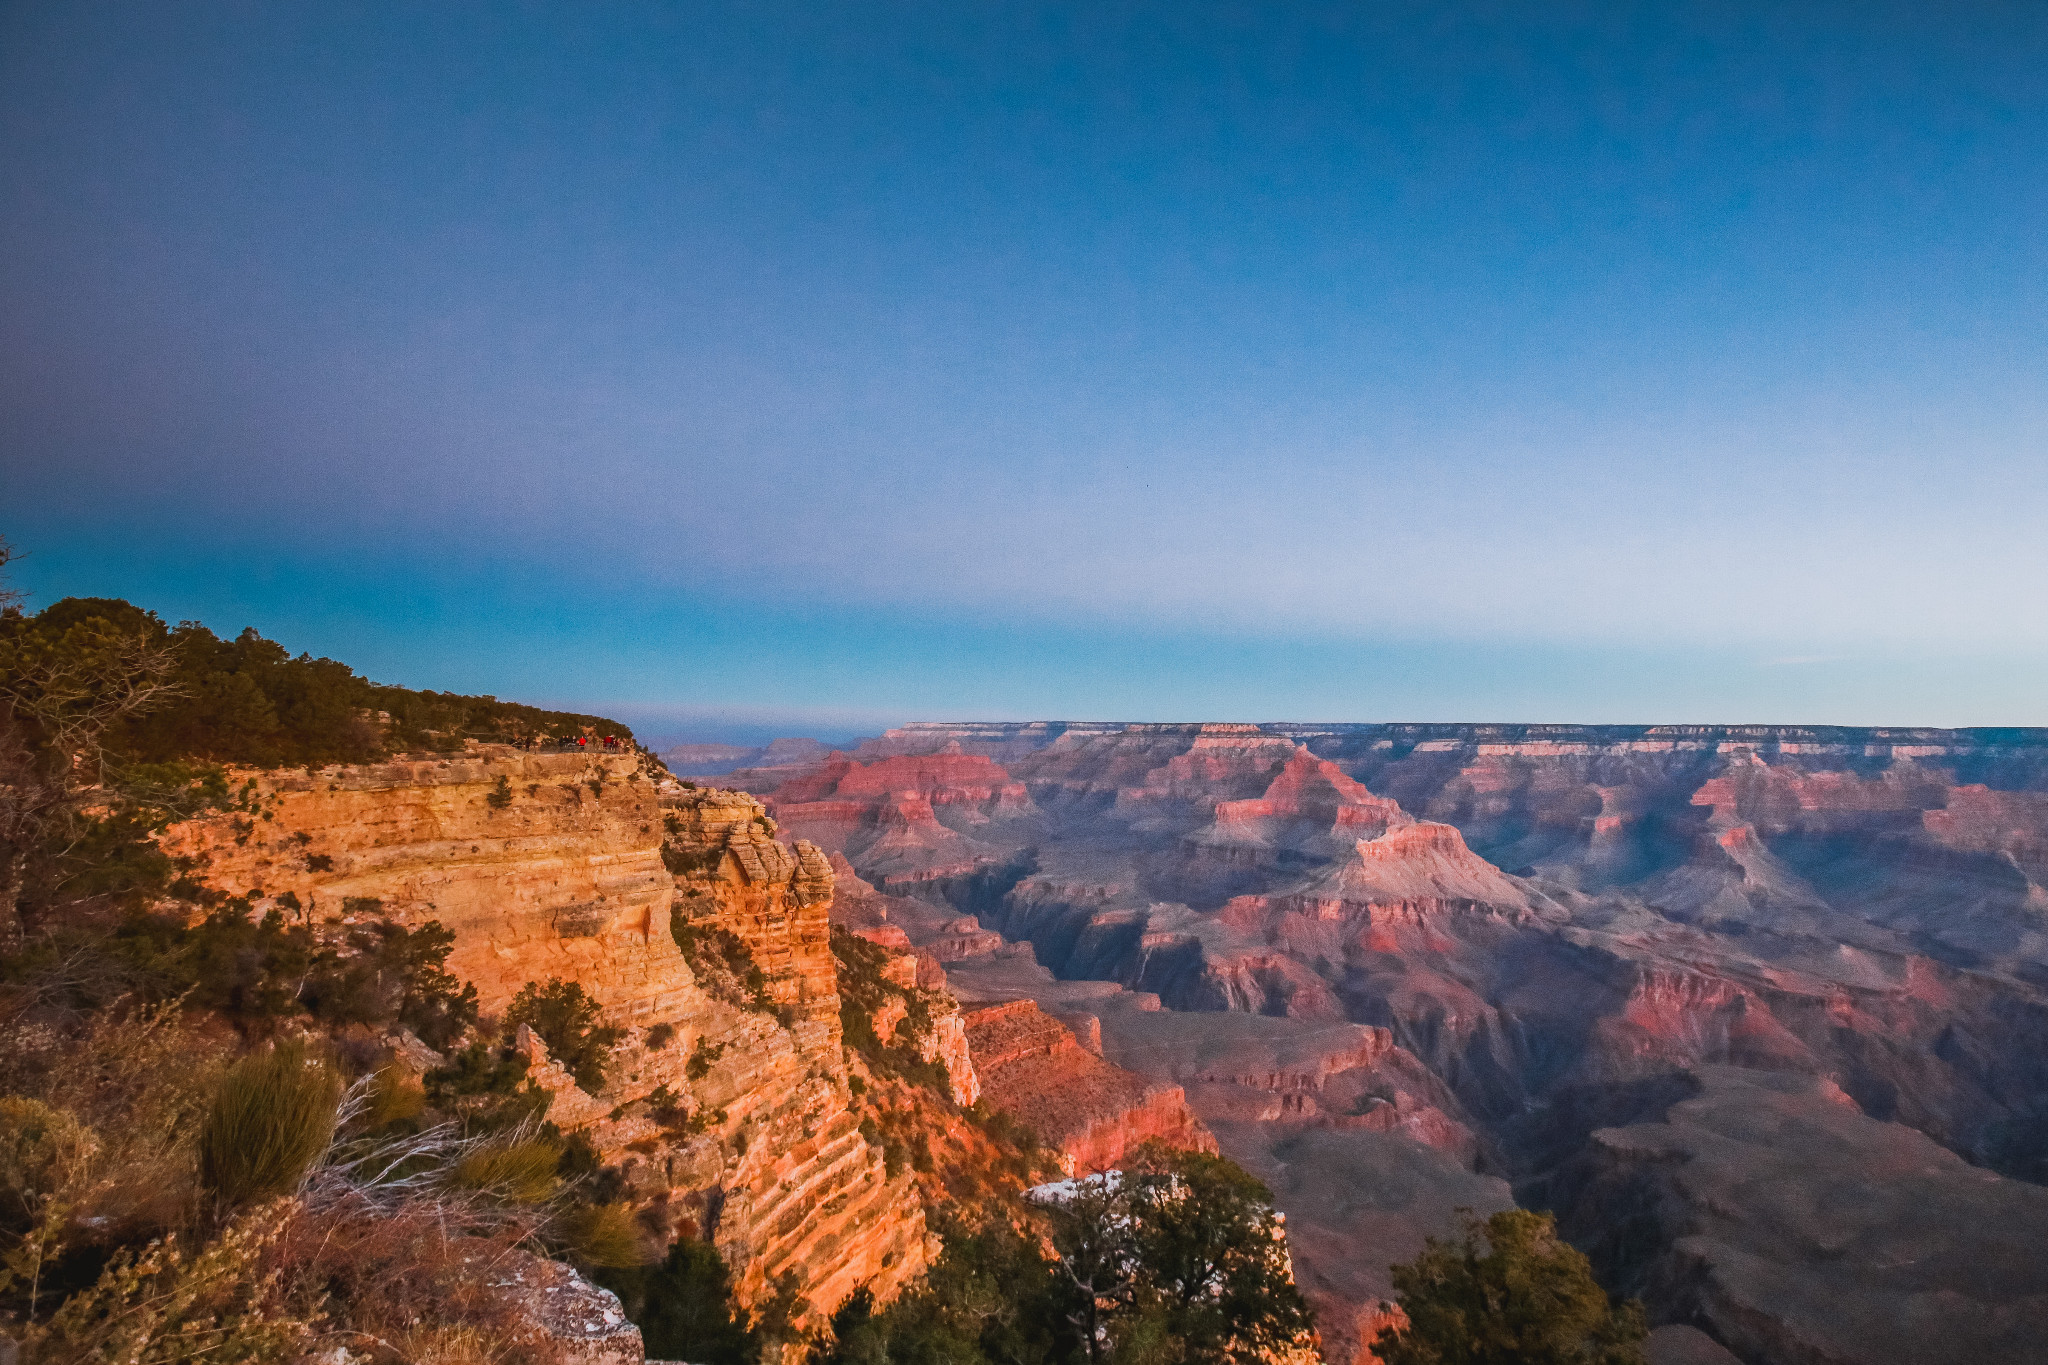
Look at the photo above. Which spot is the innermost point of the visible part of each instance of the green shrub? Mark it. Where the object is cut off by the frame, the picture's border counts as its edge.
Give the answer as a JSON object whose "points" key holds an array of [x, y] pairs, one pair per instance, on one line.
{"points": [[862, 991], [1508, 1290], [271, 1121], [251, 971], [1214, 1278], [485, 1083], [703, 1057], [256, 971], [248, 700], [990, 1297], [566, 1020], [380, 973]]}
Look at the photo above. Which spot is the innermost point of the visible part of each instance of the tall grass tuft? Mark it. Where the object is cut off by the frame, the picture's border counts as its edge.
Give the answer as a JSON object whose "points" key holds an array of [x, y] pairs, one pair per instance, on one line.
{"points": [[395, 1096], [520, 1170], [271, 1121], [600, 1235]]}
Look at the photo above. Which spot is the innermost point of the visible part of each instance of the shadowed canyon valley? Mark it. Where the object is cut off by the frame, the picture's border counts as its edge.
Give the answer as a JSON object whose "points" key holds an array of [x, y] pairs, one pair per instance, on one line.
{"points": [[1760, 1012]]}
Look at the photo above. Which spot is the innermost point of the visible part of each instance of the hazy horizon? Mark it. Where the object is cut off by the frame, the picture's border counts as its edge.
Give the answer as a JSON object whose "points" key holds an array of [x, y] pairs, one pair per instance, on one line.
{"points": [[1601, 363]]}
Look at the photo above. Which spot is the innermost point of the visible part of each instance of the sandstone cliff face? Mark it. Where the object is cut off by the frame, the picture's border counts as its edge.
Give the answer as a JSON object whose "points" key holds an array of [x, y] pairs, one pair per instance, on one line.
{"points": [[1310, 807], [775, 897], [551, 866], [1220, 763], [560, 876], [1032, 1067], [934, 934]]}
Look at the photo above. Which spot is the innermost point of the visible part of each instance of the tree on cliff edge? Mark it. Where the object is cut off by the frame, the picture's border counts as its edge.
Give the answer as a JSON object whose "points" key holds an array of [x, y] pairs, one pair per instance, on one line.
{"points": [[1178, 1258], [1525, 1297], [67, 682]]}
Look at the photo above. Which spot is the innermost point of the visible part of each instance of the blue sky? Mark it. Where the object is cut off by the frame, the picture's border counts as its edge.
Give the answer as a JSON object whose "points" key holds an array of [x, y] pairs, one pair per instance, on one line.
{"points": [[813, 367]]}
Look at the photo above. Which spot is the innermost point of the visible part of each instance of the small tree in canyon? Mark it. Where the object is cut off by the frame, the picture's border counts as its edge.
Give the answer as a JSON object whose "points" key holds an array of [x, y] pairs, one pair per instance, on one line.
{"points": [[567, 1021], [1509, 1291]]}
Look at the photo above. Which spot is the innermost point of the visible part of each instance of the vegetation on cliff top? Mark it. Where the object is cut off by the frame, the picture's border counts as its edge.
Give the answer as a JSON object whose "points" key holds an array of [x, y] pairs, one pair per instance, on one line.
{"points": [[111, 724], [246, 700]]}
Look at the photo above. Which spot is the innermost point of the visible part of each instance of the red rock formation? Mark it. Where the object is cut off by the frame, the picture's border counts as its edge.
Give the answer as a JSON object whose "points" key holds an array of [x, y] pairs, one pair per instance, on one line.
{"points": [[1102, 761], [1223, 761], [1032, 1067], [1412, 868], [1582, 916], [931, 934], [2014, 824], [886, 814], [776, 898], [1310, 806], [946, 778]]}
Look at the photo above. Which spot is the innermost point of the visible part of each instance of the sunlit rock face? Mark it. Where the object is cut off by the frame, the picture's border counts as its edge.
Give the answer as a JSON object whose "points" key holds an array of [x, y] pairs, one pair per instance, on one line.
{"points": [[1553, 928], [906, 818], [1090, 1111], [544, 865], [550, 867]]}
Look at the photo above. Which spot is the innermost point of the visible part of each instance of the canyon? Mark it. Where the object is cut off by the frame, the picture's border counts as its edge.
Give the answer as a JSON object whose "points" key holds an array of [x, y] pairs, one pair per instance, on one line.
{"points": [[734, 1109], [1760, 1012]]}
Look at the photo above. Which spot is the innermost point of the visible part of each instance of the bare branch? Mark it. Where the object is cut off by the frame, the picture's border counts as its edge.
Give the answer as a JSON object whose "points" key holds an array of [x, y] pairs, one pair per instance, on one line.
{"points": [[9, 596], [75, 690]]}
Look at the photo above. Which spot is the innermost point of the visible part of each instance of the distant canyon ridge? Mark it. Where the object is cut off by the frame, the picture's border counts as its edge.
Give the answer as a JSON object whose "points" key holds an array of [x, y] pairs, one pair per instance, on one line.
{"points": [[1761, 1012]]}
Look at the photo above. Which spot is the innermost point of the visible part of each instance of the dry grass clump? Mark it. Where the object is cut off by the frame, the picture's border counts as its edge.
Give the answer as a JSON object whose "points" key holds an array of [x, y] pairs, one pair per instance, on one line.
{"points": [[158, 1205], [272, 1118], [171, 1303], [415, 1277], [394, 1096], [42, 1150], [519, 1170], [136, 1086], [602, 1236]]}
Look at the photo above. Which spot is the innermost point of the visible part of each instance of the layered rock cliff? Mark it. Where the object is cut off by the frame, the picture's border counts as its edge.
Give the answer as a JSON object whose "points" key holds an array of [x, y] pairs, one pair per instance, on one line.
{"points": [[1032, 1066], [907, 819], [728, 1114], [544, 865]]}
